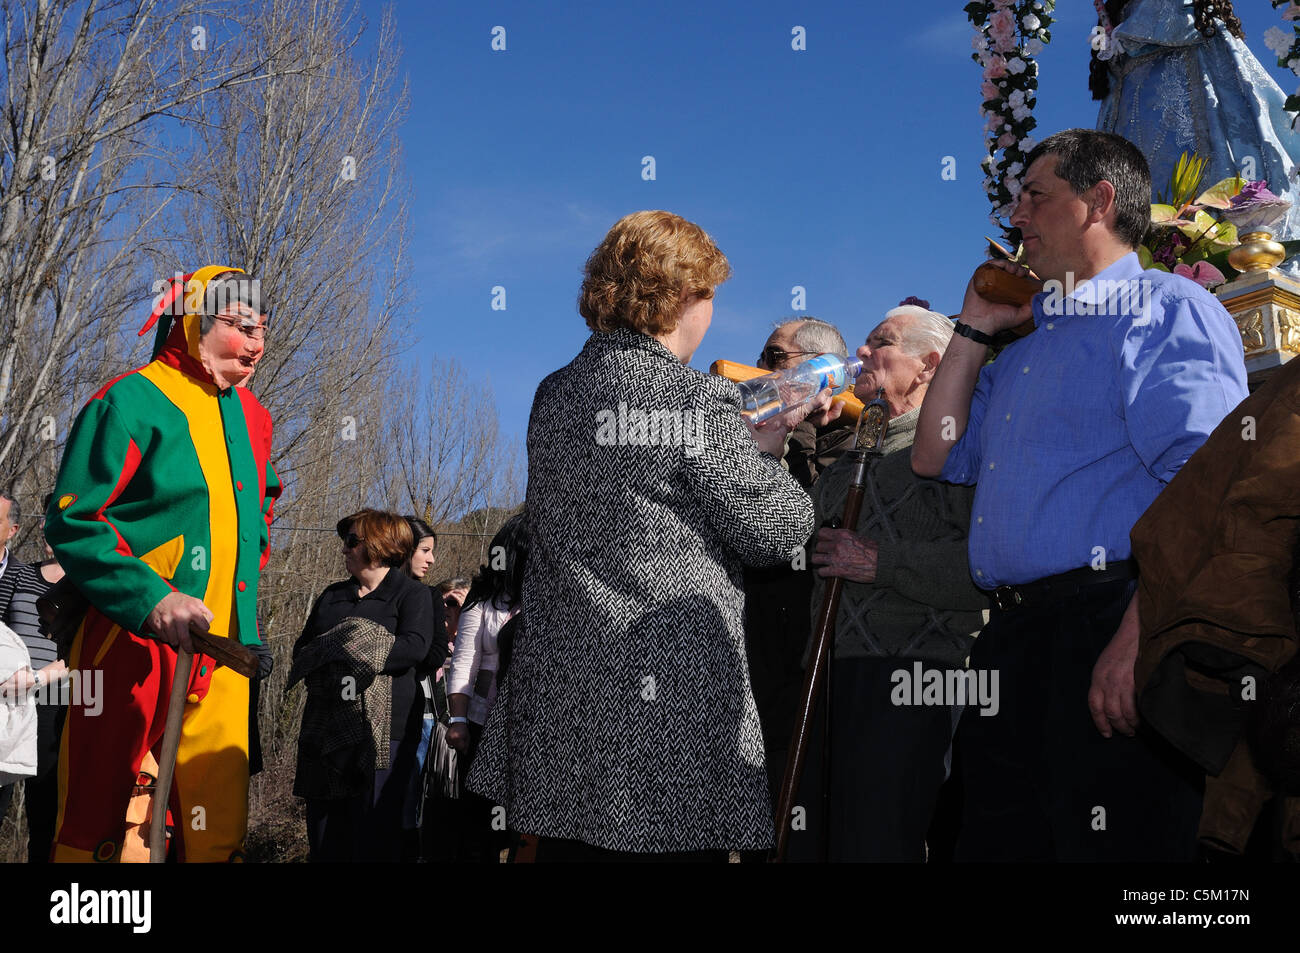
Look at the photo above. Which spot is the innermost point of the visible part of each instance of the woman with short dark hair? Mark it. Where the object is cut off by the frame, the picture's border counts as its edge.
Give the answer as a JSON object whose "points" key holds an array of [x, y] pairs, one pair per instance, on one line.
{"points": [[365, 638]]}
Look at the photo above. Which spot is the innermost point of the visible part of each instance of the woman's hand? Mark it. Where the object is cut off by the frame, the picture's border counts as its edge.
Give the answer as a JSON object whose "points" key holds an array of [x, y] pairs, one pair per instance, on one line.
{"points": [[770, 434], [18, 685], [458, 732]]}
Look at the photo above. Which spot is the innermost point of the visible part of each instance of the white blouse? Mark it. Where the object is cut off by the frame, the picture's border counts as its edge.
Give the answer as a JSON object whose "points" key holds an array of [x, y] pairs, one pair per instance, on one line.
{"points": [[475, 658]]}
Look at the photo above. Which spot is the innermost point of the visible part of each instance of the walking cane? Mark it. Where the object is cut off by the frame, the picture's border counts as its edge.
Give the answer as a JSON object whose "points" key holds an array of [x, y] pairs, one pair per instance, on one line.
{"points": [[871, 437], [223, 651]]}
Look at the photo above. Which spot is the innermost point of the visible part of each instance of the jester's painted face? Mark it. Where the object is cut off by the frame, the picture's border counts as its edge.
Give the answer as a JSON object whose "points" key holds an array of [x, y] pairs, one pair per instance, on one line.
{"points": [[233, 345]]}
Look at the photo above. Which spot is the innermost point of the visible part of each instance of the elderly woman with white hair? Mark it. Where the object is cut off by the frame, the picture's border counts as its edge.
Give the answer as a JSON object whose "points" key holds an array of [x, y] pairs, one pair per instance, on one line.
{"points": [[908, 600]]}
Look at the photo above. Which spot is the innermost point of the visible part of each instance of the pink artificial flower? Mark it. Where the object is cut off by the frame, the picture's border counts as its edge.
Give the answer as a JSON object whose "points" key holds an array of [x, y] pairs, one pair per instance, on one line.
{"points": [[989, 90], [1292, 12], [996, 69], [1006, 140], [1002, 29], [1203, 273]]}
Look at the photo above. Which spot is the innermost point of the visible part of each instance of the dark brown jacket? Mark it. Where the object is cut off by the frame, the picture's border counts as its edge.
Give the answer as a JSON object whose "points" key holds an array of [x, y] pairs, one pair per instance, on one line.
{"points": [[1216, 553]]}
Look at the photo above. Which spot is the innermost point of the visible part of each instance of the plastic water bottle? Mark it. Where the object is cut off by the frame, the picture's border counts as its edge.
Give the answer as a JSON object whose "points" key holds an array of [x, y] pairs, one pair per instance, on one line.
{"points": [[765, 397]]}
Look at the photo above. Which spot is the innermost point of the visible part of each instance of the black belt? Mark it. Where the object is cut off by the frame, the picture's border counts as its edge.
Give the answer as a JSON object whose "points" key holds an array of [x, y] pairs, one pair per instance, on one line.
{"points": [[1067, 585]]}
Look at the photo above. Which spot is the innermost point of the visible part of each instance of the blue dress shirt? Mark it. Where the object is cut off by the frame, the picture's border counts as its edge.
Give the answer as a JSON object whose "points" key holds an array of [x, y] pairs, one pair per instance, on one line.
{"points": [[1074, 429]]}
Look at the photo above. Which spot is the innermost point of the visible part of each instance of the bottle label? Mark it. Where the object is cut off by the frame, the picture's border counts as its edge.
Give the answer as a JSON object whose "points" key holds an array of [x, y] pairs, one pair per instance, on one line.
{"points": [[831, 372]]}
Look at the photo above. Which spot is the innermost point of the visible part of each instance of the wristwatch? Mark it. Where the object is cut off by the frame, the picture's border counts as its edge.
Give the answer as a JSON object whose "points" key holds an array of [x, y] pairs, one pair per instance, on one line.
{"points": [[979, 337], [458, 720]]}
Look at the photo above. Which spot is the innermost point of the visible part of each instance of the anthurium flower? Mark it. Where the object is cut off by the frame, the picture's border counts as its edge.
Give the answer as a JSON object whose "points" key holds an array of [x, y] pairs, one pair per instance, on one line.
{"points": [[1203, 273], [1254, 193]]}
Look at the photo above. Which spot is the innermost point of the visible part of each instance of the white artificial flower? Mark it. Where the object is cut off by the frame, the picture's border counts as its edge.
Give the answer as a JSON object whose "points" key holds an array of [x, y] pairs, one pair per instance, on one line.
{"points": [[1016, 99], [1277, 40], [1034, 47], [1015, 66], [1015, 168], [1027, 144], [1021, 113], [1031, 23]]}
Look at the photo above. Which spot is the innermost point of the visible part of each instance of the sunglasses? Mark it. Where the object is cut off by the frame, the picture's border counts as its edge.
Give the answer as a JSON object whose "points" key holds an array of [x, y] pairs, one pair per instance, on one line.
{"points": [[450, 603], [772, 355], [350, 541]]}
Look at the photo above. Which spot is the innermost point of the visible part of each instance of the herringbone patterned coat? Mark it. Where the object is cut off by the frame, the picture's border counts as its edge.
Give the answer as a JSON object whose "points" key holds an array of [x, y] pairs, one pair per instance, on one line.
{"points": [[627, 719]]}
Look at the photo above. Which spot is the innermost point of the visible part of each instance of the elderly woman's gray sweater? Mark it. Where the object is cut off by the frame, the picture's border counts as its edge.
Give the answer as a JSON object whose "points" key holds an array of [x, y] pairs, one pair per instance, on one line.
{"points": [[923, 603]]}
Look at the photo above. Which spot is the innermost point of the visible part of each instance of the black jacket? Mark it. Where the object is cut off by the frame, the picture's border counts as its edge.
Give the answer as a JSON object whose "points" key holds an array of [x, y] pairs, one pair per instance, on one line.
{"points": [[402, 606]]}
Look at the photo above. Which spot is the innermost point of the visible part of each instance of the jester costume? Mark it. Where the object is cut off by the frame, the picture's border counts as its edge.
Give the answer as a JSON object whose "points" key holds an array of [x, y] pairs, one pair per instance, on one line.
{"points": [[166, 485]]}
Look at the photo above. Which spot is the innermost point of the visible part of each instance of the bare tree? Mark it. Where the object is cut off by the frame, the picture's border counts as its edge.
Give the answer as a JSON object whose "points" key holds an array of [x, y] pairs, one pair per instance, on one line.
{"points": [[87, 89]]}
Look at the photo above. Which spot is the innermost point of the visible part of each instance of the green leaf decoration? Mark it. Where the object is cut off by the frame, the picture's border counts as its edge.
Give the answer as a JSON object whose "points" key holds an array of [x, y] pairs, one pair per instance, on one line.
{"points": [[1186, 178]]}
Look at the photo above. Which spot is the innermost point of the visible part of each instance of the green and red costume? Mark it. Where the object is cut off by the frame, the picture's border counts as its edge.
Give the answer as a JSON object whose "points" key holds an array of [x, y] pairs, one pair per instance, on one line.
{"points": [[166, 485]]}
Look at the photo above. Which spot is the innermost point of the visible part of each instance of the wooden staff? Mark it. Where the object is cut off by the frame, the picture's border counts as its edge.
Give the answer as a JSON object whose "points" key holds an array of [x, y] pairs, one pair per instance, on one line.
{"points": [[224, 651], [871, 437]]}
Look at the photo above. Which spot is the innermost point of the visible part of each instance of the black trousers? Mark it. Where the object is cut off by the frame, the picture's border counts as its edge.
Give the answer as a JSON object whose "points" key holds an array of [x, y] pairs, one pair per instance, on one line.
{"points": [[887, 765], [467, 829], [1041, 783], [777, 624], [367, 827]]}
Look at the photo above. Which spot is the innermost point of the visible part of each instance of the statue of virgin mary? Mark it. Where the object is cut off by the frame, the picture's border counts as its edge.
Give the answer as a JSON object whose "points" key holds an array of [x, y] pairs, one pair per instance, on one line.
{"points": [[1179, 77]]}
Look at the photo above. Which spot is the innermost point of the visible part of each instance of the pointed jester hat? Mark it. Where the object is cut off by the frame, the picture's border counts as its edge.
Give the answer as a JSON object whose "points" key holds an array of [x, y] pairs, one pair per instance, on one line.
{"points": [[187, 299]]}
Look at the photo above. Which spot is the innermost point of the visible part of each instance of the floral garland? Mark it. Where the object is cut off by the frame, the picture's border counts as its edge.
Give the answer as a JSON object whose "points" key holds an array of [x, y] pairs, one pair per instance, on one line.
{"points": [[1287, 48], [1008, 35]]}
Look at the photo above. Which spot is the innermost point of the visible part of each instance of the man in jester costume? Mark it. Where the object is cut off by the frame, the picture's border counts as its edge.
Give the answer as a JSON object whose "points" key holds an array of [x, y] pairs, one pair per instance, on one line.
{"points": [[161, 518]]}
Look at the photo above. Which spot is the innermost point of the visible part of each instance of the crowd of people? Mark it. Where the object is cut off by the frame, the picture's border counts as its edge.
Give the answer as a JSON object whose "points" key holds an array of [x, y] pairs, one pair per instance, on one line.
{"points": [[1072, 528]]}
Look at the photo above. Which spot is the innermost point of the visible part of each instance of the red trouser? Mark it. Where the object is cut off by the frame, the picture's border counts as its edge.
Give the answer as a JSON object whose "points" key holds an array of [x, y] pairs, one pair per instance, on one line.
{"points": [[104, 749]]}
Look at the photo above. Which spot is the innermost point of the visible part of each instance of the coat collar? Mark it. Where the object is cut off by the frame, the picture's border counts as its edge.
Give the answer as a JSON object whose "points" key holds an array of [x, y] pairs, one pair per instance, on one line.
{"points": [[621, 339]]}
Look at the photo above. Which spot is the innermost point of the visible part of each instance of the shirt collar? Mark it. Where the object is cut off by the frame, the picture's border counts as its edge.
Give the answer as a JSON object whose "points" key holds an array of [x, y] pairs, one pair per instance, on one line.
{"points": [[1114, 284]]}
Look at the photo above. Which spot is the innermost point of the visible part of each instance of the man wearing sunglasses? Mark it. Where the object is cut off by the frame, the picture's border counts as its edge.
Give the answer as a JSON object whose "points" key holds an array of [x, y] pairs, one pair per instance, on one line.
{"points": [[811, 449], [777, 614], [160, 517]]}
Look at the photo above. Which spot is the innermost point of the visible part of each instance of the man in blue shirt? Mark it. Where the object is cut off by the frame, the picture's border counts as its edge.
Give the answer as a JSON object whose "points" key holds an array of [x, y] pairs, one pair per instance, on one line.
{"points": [[1068, 437]]}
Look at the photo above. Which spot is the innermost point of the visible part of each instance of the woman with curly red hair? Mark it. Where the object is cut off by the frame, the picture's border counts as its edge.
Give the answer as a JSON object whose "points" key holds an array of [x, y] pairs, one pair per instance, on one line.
{"points": [[626, 728]]}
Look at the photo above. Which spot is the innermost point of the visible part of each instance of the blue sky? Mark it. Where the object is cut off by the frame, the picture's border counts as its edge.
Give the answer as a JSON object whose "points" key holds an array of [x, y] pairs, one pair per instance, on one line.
{"points": [[818, 168]]}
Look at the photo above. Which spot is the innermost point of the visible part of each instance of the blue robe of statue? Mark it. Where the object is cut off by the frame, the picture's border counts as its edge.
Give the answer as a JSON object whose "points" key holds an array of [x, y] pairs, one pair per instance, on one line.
{"points": [[1173, 90]]}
